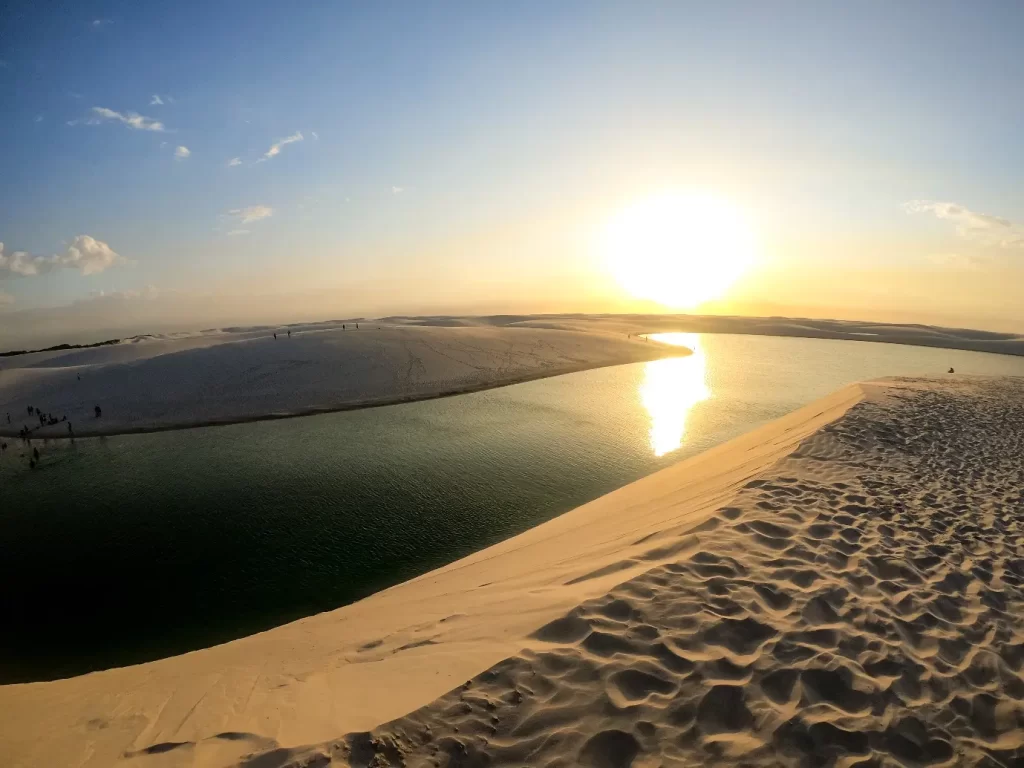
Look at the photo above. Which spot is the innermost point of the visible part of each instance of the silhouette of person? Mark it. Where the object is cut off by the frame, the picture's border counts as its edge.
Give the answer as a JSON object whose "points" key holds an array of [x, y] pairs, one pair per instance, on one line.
{"points": [[275, 336], [35, 454], [343, 326], [99, 411], [951, 371], [357, 326], [289, 334]]}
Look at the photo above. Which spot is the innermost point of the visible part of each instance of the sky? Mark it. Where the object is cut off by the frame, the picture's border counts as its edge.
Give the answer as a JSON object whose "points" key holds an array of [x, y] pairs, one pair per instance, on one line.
{"points": [[185, 165]]}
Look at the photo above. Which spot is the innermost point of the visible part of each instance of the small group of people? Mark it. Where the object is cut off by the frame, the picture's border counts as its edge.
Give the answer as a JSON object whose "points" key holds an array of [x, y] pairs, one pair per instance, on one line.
{"points": [[45, 419]]}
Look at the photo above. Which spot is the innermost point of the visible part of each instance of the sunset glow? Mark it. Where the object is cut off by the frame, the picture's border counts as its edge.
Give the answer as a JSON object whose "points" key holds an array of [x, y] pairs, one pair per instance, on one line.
{"points": [[679, 249]]}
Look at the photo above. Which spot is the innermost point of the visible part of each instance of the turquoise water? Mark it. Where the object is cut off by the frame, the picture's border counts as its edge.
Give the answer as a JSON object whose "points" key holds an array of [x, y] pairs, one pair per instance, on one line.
{"points": [[124, 549]]}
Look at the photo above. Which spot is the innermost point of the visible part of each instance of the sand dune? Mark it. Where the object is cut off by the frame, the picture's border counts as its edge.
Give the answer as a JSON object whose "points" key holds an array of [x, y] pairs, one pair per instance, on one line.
{"points": [[232, 375], [860, 603], [920, 335], [844, 586]]}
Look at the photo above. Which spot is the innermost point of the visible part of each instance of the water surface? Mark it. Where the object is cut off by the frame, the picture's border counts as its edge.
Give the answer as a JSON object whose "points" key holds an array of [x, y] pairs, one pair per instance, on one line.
{"points": [[124, 549]]}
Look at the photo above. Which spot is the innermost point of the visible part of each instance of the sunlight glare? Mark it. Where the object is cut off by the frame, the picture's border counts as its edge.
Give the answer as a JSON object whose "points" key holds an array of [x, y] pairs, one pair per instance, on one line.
{"points": [[679, 249], [671, 388]]}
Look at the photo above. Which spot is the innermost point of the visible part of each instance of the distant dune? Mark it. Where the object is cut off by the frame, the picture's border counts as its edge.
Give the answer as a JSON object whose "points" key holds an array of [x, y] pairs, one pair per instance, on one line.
{"points": [[844, 586], [920, 335], [148, 383]]}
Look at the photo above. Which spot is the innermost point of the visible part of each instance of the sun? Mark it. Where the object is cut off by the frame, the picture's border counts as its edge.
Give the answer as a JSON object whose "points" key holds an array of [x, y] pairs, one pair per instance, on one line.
{"points": [[679, 250]]}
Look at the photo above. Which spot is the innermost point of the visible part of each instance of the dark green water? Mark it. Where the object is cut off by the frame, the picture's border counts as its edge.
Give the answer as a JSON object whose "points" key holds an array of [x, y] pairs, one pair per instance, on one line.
{"points": [[120, 550]]}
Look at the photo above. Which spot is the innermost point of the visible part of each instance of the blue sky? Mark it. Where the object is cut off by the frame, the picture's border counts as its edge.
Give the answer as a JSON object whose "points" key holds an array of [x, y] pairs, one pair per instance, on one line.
{"points": [[456, 155]]}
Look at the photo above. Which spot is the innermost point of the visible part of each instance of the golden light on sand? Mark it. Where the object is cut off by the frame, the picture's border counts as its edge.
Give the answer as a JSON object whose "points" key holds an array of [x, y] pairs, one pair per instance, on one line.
{"points": [[679, 249], [670, 389]]}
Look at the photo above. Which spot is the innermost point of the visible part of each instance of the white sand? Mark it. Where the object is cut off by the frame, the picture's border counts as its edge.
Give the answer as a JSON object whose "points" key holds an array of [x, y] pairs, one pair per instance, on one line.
{"points": [[891, 333], [841, 585], [221, 377]]}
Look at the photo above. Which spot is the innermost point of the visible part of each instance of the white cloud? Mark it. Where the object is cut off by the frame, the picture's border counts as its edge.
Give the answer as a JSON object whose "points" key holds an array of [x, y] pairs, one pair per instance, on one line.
{"points": [[316, 136], [131, 119], [97, 23], [182, 152], [252, 213], [237, 232], [275, 148], [38, 119], [234, 161], [981, 227], [397, 190], [156, 101], [85, 253]]}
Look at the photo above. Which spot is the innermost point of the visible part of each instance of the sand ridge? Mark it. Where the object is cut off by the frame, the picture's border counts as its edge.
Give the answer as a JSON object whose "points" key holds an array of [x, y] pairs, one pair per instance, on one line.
{"points": [[860, 604]]}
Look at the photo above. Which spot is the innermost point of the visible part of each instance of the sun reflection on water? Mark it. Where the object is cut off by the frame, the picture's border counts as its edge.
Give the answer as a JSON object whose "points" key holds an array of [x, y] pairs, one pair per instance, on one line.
{"points": [[670, 389]]}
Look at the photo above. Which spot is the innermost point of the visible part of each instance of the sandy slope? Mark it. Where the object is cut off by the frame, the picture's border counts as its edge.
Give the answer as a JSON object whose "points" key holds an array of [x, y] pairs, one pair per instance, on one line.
{"points": [[220, 377], [859, 604], [844, 586]]}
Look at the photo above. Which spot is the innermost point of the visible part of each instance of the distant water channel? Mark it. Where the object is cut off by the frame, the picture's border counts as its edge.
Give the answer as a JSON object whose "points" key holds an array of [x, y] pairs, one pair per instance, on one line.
{"points": [[125, 549]]}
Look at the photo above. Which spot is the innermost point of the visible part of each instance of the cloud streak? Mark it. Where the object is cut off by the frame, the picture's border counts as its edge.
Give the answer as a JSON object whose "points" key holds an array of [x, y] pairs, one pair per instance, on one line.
{"points": [[133, 120], [182, 152], [234, 161], [252, 213], [156, 101], [275, 148], [86, 254], [972, 225]]}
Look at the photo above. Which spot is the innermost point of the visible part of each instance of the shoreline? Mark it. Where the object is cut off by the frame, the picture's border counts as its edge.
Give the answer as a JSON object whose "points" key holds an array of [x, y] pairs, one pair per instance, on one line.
{"points": [[359, 405], [167, 388], [408, 644]]}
